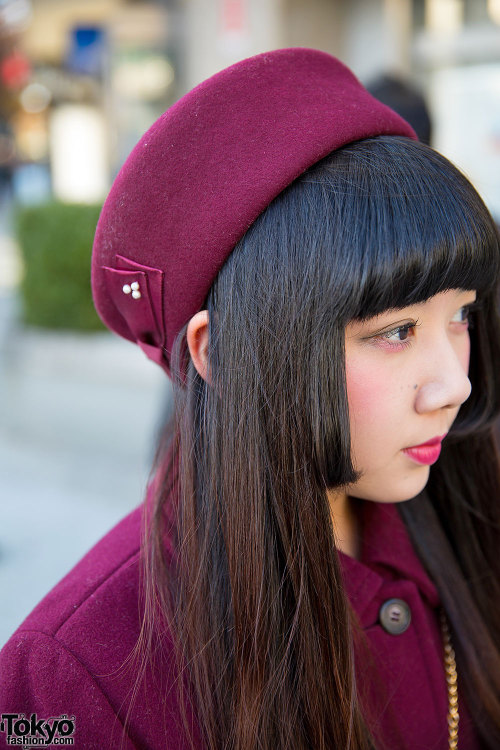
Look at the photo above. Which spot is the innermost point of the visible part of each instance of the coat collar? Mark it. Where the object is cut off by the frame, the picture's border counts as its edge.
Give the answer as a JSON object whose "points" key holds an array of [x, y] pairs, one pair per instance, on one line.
{"points": [[387, 556]]}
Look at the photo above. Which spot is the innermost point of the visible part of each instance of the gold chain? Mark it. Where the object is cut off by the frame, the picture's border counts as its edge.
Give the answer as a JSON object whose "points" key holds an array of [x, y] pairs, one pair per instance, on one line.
{"points": [[450, 666]]}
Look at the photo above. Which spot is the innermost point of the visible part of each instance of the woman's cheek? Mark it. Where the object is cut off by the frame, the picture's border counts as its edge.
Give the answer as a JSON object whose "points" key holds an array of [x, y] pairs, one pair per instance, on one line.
{"points": [[465, 354], [370, 394]]}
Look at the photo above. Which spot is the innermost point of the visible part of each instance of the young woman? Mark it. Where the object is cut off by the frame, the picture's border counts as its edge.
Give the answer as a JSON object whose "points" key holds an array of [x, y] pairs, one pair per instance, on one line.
{"points": [[319, 566]]}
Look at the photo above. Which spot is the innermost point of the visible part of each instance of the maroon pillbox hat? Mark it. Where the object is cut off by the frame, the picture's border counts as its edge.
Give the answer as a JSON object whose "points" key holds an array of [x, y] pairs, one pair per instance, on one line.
{"points": [[202, 174]]}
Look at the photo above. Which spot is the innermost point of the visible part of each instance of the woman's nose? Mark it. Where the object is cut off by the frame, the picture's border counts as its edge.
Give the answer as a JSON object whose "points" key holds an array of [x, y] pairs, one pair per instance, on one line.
{"points": [[445, 383]]}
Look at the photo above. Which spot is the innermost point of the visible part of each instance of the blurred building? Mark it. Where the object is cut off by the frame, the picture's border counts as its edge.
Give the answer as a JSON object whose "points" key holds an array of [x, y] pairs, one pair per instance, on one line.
{"points": [[101, 71], [89, 76]]}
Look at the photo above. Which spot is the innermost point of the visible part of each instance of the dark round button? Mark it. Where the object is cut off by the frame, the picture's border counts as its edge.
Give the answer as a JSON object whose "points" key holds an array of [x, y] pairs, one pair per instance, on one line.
{"points": [[395, 616]]}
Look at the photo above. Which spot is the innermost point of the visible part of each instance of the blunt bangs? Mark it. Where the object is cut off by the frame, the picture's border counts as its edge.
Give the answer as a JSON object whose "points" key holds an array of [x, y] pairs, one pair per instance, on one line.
{"points": [[420, 228]]}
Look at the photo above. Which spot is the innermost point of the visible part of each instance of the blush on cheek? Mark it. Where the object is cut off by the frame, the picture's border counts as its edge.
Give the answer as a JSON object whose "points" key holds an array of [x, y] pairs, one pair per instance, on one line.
{"points": [[366, 387], [371, 398]]}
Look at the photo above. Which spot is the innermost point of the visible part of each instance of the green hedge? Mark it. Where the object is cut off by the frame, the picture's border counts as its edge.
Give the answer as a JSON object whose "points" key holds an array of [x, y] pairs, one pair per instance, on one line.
{"points": [[56, 245]]}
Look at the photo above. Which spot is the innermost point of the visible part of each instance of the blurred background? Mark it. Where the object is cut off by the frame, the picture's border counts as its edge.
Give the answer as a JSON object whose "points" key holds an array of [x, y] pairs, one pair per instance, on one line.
{"points": [[80, 81]]}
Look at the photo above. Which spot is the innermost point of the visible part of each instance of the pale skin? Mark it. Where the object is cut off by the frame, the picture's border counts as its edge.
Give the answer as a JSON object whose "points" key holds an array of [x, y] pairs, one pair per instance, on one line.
{"points": [[407, 376]]}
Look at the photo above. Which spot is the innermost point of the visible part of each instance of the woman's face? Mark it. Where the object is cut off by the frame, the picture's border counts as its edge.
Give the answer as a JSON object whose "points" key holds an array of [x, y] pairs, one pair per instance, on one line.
{"points": [[407, 377]]}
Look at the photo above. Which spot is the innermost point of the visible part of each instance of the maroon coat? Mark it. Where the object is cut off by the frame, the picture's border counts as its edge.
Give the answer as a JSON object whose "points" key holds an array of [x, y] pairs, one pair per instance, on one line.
{"points": [[70, 656]]}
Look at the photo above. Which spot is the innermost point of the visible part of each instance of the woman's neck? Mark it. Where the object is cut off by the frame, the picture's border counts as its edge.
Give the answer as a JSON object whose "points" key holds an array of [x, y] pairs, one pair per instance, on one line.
{"points": [[346, 526]]}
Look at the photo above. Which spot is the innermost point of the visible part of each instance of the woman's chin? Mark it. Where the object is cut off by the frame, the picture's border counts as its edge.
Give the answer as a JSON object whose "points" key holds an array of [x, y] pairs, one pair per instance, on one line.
{"points": [[392, 490]]}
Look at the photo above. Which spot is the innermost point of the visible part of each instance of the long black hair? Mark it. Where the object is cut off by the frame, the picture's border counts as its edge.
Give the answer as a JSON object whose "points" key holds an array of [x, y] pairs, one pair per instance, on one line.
{"points": [[265, 633]]}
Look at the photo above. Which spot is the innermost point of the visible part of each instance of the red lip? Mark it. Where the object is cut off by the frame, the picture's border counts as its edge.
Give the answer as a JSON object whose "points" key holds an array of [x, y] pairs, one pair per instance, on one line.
{"points": [[425, 453]]}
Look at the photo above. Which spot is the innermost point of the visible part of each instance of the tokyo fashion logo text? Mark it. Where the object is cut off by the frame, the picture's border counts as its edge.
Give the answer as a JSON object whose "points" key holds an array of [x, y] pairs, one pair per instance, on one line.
{"points": [[24, 731]]}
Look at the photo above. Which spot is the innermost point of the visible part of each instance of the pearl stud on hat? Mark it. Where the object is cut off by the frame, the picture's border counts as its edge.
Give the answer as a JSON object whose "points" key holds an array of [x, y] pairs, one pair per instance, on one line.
{"points": [[133, 289]]}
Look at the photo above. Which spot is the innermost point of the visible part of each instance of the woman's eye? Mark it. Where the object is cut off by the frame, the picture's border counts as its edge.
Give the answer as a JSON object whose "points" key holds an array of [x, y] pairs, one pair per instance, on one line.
{"points": [[400, 335], [462, 315]]}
